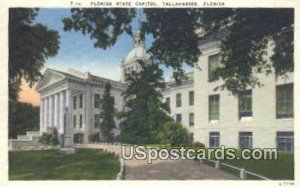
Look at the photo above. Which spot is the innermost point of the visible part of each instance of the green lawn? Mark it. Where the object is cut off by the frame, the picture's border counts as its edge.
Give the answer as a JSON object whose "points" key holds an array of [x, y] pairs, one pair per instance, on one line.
{"points": [[85, 164], [281, 169]]}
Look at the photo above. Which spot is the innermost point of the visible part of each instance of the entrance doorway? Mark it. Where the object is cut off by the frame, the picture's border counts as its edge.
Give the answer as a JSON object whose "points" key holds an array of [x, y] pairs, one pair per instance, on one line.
{"points": [[78, 138]]}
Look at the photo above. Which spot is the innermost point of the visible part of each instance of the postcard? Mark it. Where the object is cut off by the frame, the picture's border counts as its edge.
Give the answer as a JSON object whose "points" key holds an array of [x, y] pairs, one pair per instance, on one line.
{"points": [[165, 93]]}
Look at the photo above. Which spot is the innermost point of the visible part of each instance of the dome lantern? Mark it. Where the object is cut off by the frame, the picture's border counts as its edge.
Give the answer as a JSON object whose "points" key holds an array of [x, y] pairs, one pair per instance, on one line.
{"points": [[131, 61]]}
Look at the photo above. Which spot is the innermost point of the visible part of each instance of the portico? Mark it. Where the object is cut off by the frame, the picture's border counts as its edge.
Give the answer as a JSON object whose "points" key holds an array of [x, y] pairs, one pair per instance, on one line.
{"points": [[53, 108]]}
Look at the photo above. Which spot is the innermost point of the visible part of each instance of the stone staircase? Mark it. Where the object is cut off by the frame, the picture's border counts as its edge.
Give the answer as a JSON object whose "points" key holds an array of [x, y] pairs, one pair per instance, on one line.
{"points": [[23, 142]]}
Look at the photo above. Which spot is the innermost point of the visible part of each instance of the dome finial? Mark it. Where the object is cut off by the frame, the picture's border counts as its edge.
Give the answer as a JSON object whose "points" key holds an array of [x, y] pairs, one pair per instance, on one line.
{"points": [[138, 42]]}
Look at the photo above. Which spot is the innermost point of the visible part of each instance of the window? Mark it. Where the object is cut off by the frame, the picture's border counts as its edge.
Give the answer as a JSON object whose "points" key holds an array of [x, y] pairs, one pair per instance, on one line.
{"points": [[80, 121], [74, 102], [178, 100], [168, 102], [74, 121], [213, 64], [214, 106], [214, 139], [285, 141], [191, 119], [97, 100], [245, 103], [80, 101], [191, 97], [178, 118], [97, 120], [245, 140], [284, 101]]}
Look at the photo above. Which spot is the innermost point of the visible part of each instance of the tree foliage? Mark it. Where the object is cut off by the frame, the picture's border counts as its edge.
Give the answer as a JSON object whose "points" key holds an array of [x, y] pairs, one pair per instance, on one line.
{"points": [[29, 47], [244, 49], [107, 114], [146, 112], [175, 42], [22, 117], [103, 24]]}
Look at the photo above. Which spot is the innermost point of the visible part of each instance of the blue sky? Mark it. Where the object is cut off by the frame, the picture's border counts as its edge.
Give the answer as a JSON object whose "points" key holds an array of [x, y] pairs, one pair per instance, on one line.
{"points": [[77, 50]]}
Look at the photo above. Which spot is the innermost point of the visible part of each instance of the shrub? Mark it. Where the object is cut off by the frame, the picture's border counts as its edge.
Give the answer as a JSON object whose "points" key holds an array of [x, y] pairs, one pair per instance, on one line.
{"points": [[49, 138], [185, 145], [198, 145], [53, 140], [173, 134], [44, 138], [94, 137]]}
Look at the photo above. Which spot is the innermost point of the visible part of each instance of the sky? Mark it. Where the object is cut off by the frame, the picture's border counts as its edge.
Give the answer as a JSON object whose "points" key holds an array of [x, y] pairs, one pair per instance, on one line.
{"points": [[77, 51]]}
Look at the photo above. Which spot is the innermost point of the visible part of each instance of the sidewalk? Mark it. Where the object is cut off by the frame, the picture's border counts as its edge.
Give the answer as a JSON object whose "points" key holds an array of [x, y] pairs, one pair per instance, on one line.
{"points": [[173, 170], [166, 169]]}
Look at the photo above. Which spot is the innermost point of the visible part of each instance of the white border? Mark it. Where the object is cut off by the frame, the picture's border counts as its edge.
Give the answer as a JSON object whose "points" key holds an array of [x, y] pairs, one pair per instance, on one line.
{"points": [[86, 3]]}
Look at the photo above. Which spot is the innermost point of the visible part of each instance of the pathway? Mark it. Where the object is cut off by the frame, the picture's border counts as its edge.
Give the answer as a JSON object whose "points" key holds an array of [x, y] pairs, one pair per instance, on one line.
{"points": [[166, 169]]}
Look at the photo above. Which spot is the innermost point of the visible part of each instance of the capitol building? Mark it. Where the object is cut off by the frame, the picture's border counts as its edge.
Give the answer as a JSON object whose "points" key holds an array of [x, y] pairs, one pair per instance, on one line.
{"points": [[259, 117]]}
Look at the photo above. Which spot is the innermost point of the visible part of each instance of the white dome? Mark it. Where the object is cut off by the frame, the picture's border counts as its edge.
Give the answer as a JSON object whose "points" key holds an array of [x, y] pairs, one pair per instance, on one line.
{"points": [[137, 53]]}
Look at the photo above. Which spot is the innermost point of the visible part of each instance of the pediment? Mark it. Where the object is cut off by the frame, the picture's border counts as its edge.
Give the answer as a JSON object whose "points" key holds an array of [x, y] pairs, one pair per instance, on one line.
{"points": [[50, 77]]}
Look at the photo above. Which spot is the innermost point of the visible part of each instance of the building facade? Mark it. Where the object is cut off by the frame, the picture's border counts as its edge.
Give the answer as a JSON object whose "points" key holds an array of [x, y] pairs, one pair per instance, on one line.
{"points": [[70, 102], [259, 117]]}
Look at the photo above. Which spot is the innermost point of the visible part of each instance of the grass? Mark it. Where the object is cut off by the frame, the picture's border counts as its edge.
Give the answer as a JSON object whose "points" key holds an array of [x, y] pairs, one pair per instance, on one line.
{"points": [[281, 169], [85, 164]]}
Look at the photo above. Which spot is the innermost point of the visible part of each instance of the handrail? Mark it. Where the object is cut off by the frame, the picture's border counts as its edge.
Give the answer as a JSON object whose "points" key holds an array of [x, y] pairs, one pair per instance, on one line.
{"points": [[257, 175], [243, 172], [121, 174], [228, 165]]}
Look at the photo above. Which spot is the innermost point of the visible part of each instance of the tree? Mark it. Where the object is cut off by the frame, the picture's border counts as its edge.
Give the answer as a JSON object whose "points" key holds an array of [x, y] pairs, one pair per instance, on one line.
{"points": [[146, 112], [22, 117], [244, 49], [175, 42], [29, 47], [107, 114], [103, 24]]}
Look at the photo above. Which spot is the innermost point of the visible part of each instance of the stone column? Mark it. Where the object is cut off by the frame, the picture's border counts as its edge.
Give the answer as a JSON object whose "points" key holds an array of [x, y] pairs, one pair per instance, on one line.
{"points": [[68, 99], [46, 110], [61, 112], [68, 141], [56, 111], [50, 111], [42, 116]]}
